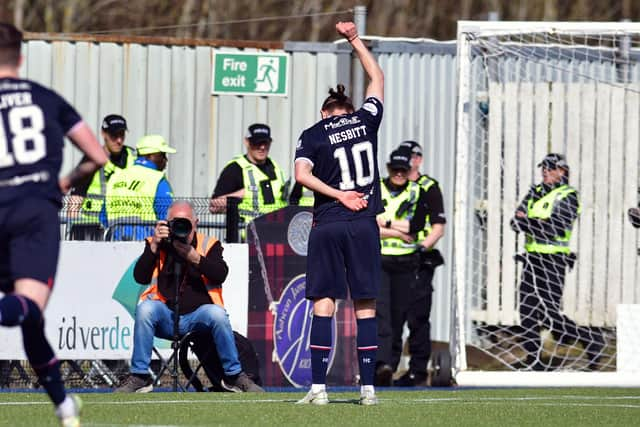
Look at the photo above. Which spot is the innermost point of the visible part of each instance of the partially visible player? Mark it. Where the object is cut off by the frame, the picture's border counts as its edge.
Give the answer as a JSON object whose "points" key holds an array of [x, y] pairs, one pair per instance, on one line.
{"points": [[337, 159], [33, 123]]}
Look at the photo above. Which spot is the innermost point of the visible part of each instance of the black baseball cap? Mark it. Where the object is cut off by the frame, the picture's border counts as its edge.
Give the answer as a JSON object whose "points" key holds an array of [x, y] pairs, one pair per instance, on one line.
{"points": [[114, 123], [259, 132], [554, 161], [400, 158], [413, 146]]}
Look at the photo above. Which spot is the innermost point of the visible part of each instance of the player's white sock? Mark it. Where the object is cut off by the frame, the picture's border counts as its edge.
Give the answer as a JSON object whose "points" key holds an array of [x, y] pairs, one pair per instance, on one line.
{"points": [[367, 389], [66, 408], [317, 388]]}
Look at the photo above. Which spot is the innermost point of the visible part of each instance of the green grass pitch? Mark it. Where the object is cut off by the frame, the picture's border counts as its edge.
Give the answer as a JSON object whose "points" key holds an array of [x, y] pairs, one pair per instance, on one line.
{"points": [[463, 407]]}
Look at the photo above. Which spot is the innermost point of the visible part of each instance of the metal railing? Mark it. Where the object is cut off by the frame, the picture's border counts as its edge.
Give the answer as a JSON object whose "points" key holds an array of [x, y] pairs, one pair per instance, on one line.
{"points": [[133, 218]]}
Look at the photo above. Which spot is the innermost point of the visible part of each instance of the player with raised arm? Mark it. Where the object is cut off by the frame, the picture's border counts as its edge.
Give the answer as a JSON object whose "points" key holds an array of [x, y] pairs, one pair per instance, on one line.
{"points": [[337, 159], [33, 123]]}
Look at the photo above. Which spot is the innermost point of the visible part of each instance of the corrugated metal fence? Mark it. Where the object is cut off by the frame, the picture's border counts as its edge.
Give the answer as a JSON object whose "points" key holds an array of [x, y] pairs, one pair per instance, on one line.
{"points": [[163, 86]]}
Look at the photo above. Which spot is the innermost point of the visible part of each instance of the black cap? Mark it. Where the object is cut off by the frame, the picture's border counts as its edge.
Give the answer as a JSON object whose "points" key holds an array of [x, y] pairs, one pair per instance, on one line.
{"points": [[400, 159], [413, 146], [554, 161], [259, 132], [114, 123]]}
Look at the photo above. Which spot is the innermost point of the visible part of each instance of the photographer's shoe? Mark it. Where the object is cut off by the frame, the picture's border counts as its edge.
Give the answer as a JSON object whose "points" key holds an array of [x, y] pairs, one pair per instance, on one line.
{"points": [[68, 412], [384, 376], [317, 398], [135, 384], [412, 379], [241, 383]]}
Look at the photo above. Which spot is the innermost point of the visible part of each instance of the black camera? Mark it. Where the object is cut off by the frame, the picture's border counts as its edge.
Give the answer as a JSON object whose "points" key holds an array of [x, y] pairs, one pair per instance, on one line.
{"points": [[179, 229]]}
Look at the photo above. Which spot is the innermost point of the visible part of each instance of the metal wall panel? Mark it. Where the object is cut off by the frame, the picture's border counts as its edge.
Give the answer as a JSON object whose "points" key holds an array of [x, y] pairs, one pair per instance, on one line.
{"points": [[420, 104], [165, 89]]}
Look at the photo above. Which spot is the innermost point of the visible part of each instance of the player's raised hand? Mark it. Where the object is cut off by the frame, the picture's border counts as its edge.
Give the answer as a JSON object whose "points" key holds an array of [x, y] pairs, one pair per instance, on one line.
{"points": [[353, 200], [347, 30]]}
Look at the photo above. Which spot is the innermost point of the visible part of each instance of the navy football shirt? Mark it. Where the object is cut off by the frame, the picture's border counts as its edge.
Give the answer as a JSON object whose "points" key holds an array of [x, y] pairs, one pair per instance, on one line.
{"points": [[33, 123], [344, 153]]}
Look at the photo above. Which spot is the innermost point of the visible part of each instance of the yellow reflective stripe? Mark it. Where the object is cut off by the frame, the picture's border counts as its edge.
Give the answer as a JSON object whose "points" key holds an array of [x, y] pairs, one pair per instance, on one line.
{"points": [[547, 249], [542, 209], [252, 204], [392, 247]]}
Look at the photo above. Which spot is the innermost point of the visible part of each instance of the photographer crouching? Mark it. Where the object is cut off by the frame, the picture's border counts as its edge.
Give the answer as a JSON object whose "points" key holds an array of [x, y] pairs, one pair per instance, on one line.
{"points": [[177, 257]]}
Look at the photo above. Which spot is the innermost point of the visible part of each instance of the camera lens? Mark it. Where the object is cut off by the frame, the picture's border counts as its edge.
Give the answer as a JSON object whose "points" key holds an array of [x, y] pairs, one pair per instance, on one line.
{"points": [[179, 228]]}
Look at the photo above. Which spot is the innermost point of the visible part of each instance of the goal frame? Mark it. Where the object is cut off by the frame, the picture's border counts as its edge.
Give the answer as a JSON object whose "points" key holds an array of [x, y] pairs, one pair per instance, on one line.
{"points": [[463, 209]]}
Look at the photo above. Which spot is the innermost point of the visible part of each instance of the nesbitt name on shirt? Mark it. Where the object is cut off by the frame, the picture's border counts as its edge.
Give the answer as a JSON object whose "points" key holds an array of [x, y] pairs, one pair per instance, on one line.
{"points": [[347, 134]]}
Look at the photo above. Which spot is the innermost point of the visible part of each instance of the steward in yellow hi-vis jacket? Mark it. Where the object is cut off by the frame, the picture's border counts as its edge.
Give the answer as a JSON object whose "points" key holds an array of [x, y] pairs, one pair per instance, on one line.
{"points": [[94, 188], [546, 216], [254, 178], [400, 223], [418, 320], [140, 195]]}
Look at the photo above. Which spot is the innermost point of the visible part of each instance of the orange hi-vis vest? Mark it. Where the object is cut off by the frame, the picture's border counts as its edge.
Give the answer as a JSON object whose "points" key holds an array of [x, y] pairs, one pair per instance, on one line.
{"points": [[204, 243]]}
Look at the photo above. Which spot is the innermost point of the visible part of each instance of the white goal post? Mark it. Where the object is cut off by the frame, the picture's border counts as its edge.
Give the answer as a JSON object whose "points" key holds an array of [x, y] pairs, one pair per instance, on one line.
{"points": [[526, 89]]}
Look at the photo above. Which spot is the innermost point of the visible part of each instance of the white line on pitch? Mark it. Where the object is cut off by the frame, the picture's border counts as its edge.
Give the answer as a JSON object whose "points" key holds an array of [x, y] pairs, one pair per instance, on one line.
{"points": [[539, 399]]}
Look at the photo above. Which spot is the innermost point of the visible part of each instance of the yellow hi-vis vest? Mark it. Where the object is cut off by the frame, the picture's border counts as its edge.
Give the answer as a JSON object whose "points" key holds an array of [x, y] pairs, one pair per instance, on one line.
{"points": [[131, 193], [93, 201], [425, 182], [204, 243], [252, 204], [542, 209], [307, 198], [406, 201]]}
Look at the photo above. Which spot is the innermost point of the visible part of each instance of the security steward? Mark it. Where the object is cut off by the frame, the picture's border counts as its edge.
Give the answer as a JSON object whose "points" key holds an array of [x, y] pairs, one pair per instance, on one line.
{"points": [[546, 215], [140, 195], [399, 224], [93, 188], [254, 178], [418, 320]]}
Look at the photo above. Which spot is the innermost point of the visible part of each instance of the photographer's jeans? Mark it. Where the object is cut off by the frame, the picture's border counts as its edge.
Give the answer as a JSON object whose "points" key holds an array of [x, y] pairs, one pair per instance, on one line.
{"points": [[154, 318]]}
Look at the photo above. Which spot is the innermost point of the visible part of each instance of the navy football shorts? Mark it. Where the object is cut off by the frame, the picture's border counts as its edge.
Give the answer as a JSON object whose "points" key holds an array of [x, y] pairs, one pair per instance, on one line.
{"points": [[344, 255], [29, 242]]}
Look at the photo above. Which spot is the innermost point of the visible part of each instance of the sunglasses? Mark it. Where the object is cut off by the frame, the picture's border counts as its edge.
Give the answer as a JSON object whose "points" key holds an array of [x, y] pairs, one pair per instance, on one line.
{"points": [[258, 144], [399, 171], [116, 134]]}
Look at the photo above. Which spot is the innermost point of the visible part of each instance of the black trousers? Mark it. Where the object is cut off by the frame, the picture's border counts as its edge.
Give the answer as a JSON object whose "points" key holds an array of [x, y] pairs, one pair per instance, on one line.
{"points": [[540, 297], [395, 302], [418, 320]]}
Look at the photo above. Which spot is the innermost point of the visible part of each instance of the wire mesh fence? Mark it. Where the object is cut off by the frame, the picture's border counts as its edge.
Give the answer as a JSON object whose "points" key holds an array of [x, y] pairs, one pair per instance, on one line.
{"points": [[133, 218]]}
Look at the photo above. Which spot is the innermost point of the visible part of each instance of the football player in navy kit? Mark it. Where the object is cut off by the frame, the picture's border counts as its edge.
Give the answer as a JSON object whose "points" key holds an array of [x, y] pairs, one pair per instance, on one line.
{"points": [[33, 123], [337, 159]]}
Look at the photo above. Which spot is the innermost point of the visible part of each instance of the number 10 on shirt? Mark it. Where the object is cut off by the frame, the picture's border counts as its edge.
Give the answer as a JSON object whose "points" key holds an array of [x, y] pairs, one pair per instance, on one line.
{"points": [[361, 152]]}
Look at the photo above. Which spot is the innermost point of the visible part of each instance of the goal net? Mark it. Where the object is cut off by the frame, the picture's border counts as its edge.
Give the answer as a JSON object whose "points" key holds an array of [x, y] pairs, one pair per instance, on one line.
{"points": [[526, 90]]}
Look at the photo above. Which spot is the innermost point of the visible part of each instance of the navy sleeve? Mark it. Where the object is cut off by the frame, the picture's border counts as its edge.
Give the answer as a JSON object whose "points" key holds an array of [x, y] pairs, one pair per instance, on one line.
{"points": [[68, 117], [371, 112], [305, 148]]}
